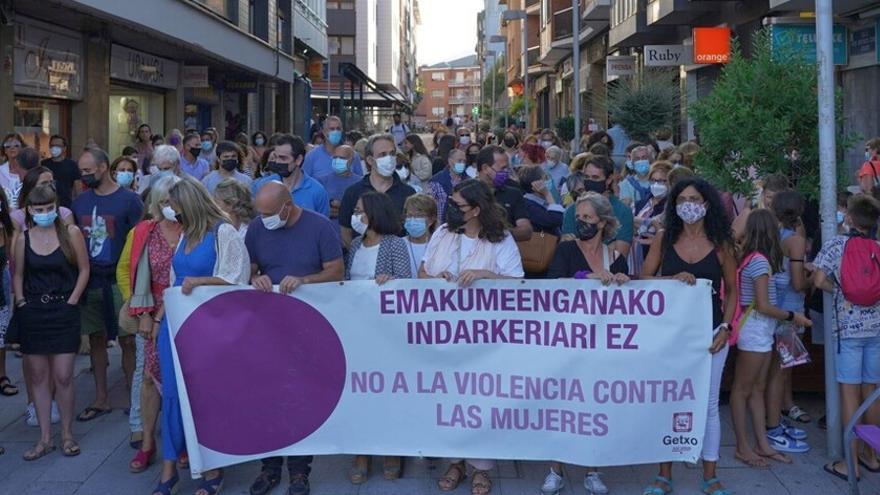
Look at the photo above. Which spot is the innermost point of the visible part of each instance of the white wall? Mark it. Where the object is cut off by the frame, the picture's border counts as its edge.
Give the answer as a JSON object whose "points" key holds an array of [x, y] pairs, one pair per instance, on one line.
{"points": [[366, 40]]}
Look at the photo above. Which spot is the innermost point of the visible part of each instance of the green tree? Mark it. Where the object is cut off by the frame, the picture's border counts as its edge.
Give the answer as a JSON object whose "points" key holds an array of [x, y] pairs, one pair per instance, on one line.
{"points": [[565, 128], [761, 108], [643, 104]]}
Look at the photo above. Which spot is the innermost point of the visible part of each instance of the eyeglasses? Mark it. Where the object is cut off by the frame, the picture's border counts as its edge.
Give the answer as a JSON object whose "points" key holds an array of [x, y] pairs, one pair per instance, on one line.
{"points": [[450, 200], [12, 144]]}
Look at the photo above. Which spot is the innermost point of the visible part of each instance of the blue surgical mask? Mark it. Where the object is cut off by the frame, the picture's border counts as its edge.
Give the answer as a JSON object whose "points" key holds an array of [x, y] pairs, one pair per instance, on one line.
{"points": [[335, 137], [416, 226], [45, 219], [642, 167], [841, 216], [340, 166], [458, 167], [125, 178], [207, 145]]}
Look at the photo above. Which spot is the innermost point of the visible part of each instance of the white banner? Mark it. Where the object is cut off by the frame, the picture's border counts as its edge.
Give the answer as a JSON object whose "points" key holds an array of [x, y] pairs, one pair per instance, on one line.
{"points": [[562, 370]]}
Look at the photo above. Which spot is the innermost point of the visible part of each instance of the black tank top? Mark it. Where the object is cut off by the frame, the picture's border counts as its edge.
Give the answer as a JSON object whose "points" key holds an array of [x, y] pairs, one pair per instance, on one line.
{"points": [[708, 268], [47, 275]]}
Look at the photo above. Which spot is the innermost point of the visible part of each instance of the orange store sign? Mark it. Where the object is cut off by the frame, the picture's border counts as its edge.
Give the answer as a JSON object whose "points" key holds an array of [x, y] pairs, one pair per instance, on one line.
{"points": [[711, 45]]}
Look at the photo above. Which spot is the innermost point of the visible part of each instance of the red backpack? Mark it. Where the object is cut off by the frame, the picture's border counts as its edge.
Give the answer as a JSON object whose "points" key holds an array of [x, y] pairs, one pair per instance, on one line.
{"points": [[860, 271]]}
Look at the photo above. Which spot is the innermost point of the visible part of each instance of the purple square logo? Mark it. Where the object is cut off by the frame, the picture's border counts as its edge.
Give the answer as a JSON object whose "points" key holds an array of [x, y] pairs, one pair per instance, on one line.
{"points": [[682, 422]]}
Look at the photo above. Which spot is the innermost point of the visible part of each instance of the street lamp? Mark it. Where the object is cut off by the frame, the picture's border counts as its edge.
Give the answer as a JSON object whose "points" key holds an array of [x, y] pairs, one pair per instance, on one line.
{"points": [[496, 38], [521, 15]]}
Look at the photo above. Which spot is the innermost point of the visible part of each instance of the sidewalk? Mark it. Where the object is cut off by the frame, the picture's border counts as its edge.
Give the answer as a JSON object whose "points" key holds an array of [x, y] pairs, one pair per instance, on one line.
{"points": [[102, 468]]}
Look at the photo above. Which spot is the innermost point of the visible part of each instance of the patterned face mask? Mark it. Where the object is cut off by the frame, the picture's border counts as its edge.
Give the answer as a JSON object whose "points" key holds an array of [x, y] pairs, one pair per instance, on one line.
{"points": [[691, 213]]}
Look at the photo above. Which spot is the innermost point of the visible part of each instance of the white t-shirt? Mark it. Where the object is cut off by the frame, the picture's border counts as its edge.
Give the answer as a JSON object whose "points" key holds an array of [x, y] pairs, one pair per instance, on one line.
{"points": [[416, 253], [363, 266], [508, 262]]}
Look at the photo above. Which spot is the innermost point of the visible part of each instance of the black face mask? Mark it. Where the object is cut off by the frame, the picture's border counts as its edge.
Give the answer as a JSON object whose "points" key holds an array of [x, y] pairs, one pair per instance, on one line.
{"points": [[229, 165], [195, 152], [279, 168], [509, 142], [454, 217], [586, 230], [472, 159], [596, 186], [91, 181]]}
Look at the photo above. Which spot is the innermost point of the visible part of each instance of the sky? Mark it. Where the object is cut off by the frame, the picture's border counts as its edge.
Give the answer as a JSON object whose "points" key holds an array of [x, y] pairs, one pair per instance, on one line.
{"points": [[448, 30]]}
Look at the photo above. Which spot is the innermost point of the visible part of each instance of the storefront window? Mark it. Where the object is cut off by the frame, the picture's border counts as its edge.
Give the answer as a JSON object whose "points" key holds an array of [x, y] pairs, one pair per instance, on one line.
{"points": [[37, 120], [130, 108]]}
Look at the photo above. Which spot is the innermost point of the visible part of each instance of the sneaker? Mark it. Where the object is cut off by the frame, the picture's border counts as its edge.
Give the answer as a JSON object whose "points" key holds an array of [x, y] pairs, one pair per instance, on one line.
{"points": [[55, 417], [552, 484], [784, 443], [793, 432], [299, 485], [265, 482], [32, 415], [593, 484]]}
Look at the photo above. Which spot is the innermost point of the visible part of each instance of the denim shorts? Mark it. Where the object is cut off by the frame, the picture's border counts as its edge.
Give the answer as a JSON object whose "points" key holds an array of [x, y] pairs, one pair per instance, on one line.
{"points": [[859, 361]]}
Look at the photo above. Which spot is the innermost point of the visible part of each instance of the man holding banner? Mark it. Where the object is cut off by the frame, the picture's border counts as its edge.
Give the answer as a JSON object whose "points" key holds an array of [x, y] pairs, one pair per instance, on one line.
{"points": [[284, 228]]}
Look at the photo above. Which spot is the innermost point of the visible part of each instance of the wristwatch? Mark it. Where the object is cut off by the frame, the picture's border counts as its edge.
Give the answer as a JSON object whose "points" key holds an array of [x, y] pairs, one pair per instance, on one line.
{"points": [[790, 316], [724, 326]]}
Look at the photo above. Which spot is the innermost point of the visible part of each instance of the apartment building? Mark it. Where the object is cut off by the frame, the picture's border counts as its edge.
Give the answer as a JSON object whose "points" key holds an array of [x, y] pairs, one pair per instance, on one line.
{"points": [[449, 87], [92, 69]]}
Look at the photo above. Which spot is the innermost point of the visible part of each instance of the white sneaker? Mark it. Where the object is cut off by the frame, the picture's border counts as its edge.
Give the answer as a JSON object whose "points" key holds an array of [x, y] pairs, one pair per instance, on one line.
{"points": [[32, 415], [593, 484], [552, 484], [55, 417]]}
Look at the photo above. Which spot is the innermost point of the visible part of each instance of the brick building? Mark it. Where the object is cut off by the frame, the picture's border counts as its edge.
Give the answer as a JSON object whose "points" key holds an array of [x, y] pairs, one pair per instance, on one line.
{"points": [[449, 86]]}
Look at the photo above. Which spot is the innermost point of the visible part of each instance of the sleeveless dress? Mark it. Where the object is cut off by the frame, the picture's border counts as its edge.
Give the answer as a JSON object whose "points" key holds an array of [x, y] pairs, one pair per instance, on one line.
{"points": [[198, 263], [48, 325]]}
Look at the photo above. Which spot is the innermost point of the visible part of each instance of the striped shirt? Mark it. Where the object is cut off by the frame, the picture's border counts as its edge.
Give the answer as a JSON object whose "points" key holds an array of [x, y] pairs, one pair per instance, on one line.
{"points": [[757, 267]]}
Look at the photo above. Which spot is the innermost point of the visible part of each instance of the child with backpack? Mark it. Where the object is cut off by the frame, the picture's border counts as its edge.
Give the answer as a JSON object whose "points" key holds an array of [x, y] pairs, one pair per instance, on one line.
{"points": [[762, 257], [848, 266]]}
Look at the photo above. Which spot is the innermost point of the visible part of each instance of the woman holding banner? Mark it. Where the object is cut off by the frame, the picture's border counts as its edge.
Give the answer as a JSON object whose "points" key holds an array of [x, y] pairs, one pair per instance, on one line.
{"points": [[210, 252], [473, 244], [588, 257], [696, 242], [142, 276]]}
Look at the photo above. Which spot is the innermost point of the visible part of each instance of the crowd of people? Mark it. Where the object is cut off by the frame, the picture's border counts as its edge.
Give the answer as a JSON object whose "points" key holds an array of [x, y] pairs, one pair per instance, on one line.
{"points": [[91, 242]]}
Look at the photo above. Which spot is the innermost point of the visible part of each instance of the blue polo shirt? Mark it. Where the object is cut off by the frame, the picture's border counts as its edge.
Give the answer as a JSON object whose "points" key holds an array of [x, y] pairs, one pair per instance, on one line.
{"points": [[198, 170], [317, 163], [308, 194]]}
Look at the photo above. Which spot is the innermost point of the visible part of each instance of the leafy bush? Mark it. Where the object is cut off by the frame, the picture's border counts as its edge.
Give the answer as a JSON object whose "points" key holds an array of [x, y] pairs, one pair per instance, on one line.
{"points": [[565, 128], [643, 105]]}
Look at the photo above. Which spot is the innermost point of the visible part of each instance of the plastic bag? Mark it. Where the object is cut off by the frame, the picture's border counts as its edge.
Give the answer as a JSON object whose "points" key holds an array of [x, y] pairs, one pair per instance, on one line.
{"points": [[789, 347]]}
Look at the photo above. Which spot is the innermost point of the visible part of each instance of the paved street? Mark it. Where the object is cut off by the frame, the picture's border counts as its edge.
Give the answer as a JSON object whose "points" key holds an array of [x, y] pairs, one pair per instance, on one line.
{"points": [[102, 468]]}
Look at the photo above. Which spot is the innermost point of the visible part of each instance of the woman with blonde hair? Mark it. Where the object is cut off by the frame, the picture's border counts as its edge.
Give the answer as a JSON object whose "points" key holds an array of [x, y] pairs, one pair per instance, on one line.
{"points": [[234, 198], [210, 252]]}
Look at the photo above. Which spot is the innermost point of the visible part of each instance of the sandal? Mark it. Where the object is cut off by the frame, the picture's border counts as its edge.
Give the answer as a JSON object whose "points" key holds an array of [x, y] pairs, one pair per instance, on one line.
{"points": [[480, 483], [40, 449], [211, 486], [831, 468], [757, 462], [6, 387], [91, 413], [714, 481], [656, 490], [797, 414], [449, 482], [392, 468], [141, 461], [359, 473], [167, 487], [874, 469], [70, 448], [136, 444]]}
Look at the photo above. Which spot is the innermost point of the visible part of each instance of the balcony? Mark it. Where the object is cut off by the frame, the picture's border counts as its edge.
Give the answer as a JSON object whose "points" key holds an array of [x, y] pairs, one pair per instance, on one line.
{"points": [[464, 100], [629, 26], [597, 10], [533, 6], [678, 12], [556, 38], [464, 83], [534, 61]]}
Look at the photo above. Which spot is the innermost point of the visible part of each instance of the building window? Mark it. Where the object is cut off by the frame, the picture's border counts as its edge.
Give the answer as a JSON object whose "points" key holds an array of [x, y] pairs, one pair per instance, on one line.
{"points": [[459, 77], [340, 45], [340, 4], [438, 76], [258, 18], [438, 93], [438, 111]]}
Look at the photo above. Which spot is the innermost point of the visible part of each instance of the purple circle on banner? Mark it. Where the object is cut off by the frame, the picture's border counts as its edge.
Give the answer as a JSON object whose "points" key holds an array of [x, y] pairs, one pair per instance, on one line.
{"points": [[263, 371]]}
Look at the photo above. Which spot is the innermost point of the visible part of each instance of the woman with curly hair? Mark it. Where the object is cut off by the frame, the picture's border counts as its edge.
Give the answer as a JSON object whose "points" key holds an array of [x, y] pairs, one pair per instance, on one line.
{"points": [[473, 244], [234, 198], [696, 242]]}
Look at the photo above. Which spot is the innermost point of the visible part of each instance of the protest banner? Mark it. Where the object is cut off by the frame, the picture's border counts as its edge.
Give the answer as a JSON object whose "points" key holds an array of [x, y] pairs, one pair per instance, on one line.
{"points": [[563, 370]]}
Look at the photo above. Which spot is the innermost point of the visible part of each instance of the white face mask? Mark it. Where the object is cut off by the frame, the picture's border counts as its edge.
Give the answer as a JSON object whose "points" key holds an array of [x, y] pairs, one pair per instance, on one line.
{"points": [[274, 222], [464, 140], [386, 165], [169, 214], [357, 224], [658, 189], [403, 173], [56, 151]]}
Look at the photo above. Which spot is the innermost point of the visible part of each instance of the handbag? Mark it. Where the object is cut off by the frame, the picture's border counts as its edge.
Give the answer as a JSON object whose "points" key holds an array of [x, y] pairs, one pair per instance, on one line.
{"points": [[537, 252]]}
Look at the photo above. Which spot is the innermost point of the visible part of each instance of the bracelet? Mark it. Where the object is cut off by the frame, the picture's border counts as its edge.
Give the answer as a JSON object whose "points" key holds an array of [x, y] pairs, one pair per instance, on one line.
{"points": [[724, 326], [157, 320], [583, 274], [20, 303], [790, 316]]}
